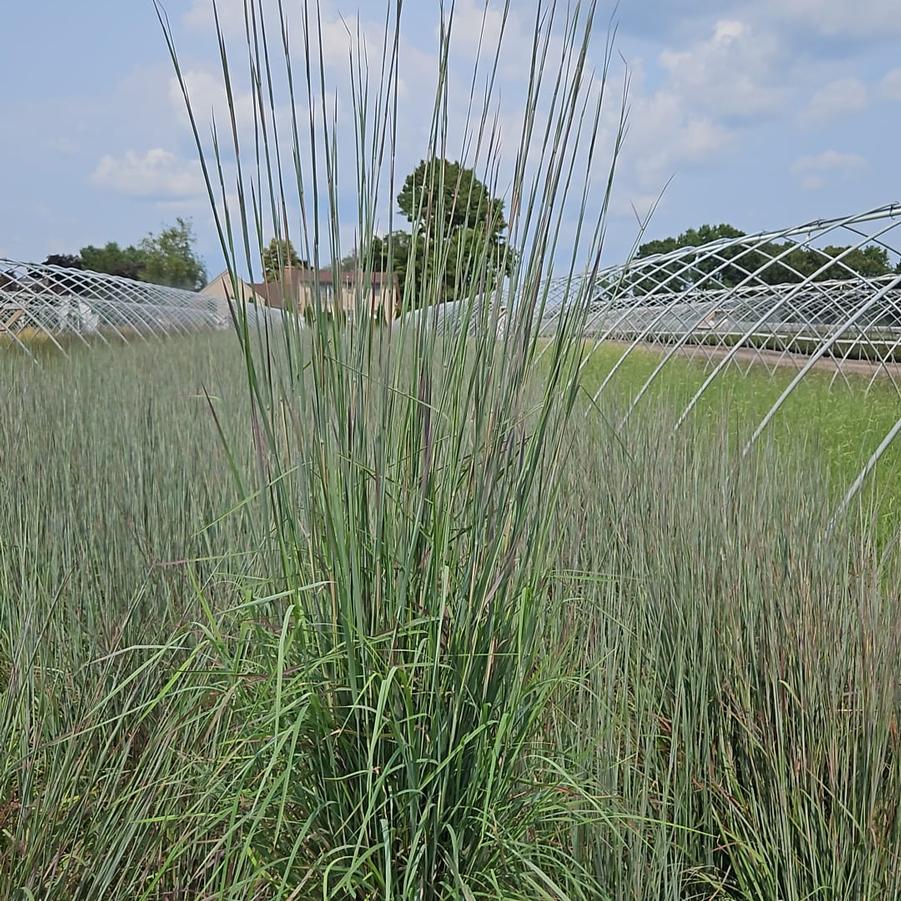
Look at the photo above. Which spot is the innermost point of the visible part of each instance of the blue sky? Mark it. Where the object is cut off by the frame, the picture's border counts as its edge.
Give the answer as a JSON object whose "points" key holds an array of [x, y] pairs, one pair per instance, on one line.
{"points": [[763, 114]]}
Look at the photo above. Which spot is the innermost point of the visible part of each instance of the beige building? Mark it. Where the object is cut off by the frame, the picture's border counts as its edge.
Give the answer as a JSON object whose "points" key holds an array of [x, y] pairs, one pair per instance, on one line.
{"points": [[222, 290], [299, 290]]}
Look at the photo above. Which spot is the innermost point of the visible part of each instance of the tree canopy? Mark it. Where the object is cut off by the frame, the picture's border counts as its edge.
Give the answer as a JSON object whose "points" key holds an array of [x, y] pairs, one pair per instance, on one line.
{"points": [[167, 258], [127, 262], [692, 237], [383, 253], [65, 261], [744, 263], [442, 197], [278, 255], [457, 238]]}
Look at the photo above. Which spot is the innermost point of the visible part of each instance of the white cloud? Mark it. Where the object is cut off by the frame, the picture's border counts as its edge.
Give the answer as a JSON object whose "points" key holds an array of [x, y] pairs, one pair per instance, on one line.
{"points": [[732, 74], [818, 170], [836, 99], [156, 173], [663, 137], [710, 85], [669, 130], [891, 85], [712, 89], [209, 101]]}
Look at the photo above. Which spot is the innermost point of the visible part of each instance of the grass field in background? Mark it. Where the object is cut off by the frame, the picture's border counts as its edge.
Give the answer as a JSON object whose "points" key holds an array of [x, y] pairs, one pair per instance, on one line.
{"points": [[838, 420], [721, 678]]}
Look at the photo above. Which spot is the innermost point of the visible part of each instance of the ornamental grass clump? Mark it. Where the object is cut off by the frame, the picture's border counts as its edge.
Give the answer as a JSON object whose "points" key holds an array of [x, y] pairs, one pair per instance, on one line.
{"points": [[395, 744]]}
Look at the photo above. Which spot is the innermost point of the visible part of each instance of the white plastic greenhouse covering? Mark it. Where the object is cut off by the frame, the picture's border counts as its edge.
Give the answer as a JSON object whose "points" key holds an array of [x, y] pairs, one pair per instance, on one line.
{"points": [[823, 295], [740, 295], [51, 303]]}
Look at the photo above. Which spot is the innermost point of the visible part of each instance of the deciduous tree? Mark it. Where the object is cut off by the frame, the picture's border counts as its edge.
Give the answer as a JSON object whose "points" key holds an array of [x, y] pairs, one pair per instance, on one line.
{"points": [[279, 255], [458, 240]]}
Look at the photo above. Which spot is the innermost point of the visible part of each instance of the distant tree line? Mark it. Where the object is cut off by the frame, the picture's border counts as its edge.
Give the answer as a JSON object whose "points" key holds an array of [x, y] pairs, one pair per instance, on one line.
{"points": [[795, 263], [167, 258], [456, 243]]}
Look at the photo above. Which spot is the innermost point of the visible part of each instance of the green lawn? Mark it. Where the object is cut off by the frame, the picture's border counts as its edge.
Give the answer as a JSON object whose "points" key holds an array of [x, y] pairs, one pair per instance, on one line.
{"points": [[838, 421]]}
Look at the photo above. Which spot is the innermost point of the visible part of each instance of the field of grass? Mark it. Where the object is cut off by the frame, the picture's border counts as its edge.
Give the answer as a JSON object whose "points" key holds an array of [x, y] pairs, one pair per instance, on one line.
{"points": [[340, 647], [838, 420]]}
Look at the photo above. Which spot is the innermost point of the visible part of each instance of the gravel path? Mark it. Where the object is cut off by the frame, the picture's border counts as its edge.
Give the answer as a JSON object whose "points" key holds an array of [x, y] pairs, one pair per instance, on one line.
{"points": [[773, 358]]}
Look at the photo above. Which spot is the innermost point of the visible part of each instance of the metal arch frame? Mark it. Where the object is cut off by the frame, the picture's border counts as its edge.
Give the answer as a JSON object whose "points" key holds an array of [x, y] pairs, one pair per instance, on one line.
{"points": [[59, 302], [812, 360], [721, 341], [790, 294], [801, 318], [704, 313], [805, 318]]}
